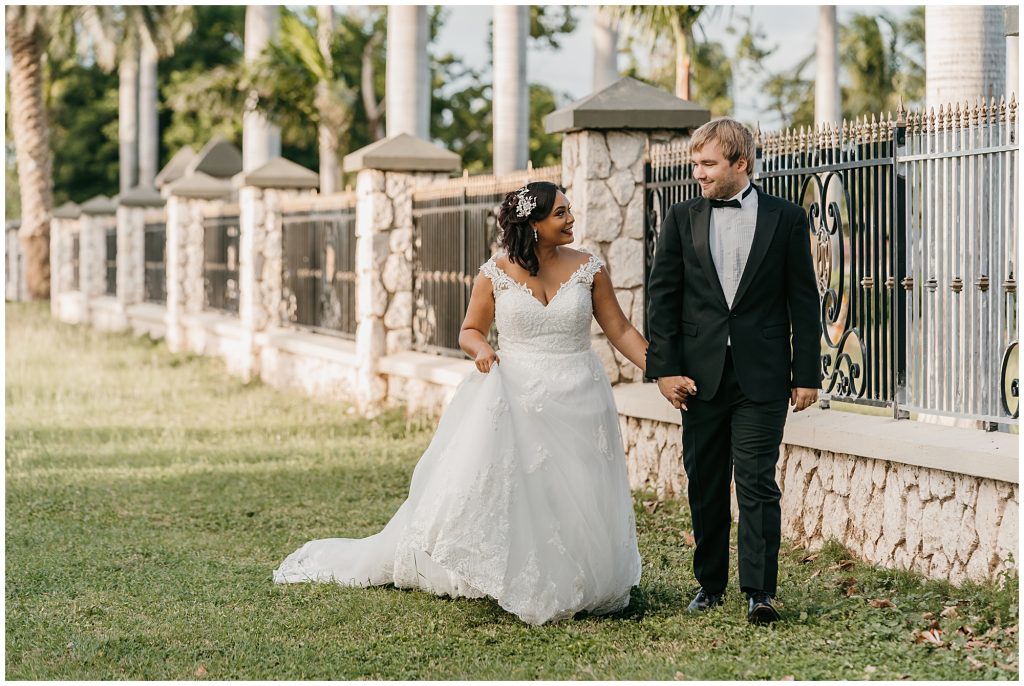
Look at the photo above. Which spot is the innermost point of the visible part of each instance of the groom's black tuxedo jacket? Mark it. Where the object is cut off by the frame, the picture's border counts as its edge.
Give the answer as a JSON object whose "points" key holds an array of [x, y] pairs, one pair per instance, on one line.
{"points": [[689, 320]]}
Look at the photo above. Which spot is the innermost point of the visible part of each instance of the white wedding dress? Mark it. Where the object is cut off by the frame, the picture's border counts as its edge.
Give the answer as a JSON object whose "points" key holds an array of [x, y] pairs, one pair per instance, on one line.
{"points": [[522, 494]]}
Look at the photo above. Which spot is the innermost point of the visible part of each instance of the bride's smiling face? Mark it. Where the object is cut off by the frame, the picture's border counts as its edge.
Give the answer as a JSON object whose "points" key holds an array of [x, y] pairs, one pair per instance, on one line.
{"points": [[556, 228]]}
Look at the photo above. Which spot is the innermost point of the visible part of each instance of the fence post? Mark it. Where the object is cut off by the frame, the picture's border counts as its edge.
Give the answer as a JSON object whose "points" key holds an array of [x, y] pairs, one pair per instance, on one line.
{"points": [[187, 200], [131, 226], [97, 213], [64, 224], [387, 174], [900, 294], [260, 248], [15, 288], [603, 156]]}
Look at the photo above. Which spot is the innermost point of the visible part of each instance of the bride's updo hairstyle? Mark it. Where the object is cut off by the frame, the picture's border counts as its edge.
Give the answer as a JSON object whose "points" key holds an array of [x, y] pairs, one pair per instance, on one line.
{"points": [[516, 235]]}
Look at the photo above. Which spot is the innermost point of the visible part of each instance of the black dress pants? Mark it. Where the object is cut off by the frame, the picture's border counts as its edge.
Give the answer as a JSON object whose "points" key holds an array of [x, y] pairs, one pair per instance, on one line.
{"points": [[728, 433]]}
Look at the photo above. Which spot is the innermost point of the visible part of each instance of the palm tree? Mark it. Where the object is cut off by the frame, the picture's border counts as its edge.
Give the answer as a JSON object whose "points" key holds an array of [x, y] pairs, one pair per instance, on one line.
{"points": [[826, 83], [606, 38], [327, 135], [297, 84], [407, 99], [510, 88], [656, 22], [966, 53], [29, 29], [134, 38], [261, 141]]}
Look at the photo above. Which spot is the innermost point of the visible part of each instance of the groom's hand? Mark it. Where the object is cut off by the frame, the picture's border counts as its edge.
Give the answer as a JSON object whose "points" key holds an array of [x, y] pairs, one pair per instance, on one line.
{"points": [[677, 390], [802, 398]]}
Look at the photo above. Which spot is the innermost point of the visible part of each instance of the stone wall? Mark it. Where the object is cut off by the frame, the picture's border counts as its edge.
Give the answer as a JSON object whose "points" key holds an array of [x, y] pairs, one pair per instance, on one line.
{"points": [[419, 396], [940, 524], [62, 232], [321, 368], [603, 174], [16, 287], [130, 254], [261, 251], [92, 270], [384, 254], [184, 267]]}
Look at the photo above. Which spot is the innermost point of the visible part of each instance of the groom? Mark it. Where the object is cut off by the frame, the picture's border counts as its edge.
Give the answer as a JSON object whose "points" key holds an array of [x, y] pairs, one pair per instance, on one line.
{"points": [[733, 309]]}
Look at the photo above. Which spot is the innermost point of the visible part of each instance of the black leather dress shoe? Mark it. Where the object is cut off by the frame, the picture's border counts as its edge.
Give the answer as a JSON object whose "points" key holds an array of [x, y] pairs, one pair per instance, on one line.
{"points": [[704, 601], [760, 609]]}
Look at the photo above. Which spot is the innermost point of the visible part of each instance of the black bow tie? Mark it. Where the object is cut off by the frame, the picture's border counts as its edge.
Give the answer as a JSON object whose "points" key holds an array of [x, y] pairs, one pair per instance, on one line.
{"points": [[731, 203]]}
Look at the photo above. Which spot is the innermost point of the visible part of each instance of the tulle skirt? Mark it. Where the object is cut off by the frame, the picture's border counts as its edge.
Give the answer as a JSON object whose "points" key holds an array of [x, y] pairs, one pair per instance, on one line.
{"points": [[522, 495]]}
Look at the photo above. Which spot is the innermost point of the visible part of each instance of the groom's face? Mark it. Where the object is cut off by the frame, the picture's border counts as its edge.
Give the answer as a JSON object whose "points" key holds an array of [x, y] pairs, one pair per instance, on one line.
{"points": [[718, 177]]}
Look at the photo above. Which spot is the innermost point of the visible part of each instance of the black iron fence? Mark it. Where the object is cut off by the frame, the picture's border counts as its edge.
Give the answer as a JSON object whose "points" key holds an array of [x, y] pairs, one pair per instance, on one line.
{"points": [[111, 260], [155, 276], [914, 270], [319, 270], [220, 261], [76, 251], [455, 232]]}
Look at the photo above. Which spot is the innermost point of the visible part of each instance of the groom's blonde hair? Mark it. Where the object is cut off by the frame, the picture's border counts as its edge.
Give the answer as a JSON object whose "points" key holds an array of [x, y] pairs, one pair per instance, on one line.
{"points": [[733, 138]]}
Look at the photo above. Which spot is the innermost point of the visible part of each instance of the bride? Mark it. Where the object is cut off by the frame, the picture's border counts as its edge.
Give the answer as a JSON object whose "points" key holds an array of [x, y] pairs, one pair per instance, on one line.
{"points": [[522, 494]]}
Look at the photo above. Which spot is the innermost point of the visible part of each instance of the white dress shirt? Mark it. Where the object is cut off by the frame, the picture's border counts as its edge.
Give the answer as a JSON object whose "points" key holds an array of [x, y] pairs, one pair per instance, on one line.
{"points": [[731, 235]]}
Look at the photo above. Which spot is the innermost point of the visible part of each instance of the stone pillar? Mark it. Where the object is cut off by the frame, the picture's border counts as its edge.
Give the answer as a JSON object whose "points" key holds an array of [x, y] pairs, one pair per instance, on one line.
{"points": [[188, 199], [64, 222], [603, 155], [131, 242], [260, 196], [98, 214], [389, 172]]}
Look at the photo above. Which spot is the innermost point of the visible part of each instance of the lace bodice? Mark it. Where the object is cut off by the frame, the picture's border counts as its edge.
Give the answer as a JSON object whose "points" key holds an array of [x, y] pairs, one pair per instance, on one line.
{"points": [[527, 325]]}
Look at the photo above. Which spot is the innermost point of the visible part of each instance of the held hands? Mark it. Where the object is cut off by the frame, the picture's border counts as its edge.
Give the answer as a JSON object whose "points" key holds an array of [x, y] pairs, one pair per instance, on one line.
{"points": [[677, 390], [485, 358], [802, 398]]}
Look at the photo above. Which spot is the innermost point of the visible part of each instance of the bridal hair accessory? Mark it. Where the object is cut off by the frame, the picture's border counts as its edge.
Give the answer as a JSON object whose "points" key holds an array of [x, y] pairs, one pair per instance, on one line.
{"points": [[526, 203]]}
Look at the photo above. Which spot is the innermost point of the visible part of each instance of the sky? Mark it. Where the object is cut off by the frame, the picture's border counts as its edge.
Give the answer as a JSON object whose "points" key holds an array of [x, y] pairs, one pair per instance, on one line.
{"points": [[570, 69]]}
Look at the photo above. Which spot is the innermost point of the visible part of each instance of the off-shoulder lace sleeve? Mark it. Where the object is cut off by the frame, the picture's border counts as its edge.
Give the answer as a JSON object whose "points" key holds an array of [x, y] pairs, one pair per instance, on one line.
{"points": [[499, 280], [590, 268]]}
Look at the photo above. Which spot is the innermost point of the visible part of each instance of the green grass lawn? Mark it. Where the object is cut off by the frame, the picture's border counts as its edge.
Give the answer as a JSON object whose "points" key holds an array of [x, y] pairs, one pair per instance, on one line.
{"points": [[149, 497]]}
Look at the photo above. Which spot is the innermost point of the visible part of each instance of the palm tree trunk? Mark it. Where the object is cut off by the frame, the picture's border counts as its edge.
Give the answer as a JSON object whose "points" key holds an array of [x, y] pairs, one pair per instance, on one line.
{"points": [[965, 55], [606, 38], [826, 82], [127, 116], [34, 159], [374, 120], [511, 91], [149, 136], [261, 141], [328, 138], [682, 59], [407, 98]]}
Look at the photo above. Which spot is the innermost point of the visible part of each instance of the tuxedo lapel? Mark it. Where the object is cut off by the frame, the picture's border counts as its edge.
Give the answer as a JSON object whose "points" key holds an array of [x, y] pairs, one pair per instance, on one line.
{"points": [[764, 230], [700, 229]]}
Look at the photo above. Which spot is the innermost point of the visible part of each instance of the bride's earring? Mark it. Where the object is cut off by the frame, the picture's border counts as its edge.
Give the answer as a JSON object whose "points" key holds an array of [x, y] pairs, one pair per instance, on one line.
{"points": [[535, 235]]}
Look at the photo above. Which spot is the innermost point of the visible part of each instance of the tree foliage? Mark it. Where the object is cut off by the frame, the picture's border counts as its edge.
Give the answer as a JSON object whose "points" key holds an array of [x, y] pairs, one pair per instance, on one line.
{"points": [[881, 61]]}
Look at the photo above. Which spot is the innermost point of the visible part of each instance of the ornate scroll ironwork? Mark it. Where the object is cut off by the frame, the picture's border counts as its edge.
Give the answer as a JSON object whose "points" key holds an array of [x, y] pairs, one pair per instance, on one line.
{"points": [[1009, 380], [842, 373]]}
